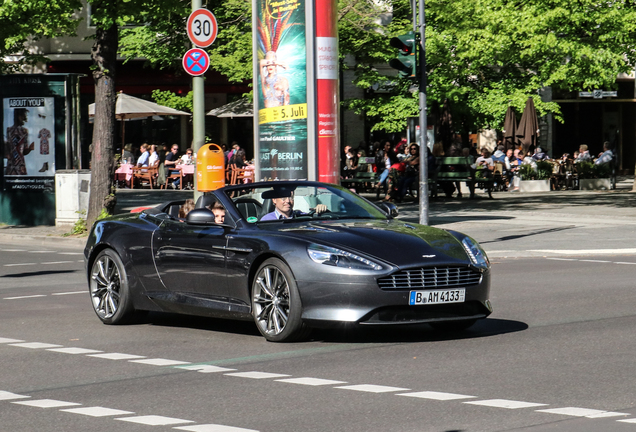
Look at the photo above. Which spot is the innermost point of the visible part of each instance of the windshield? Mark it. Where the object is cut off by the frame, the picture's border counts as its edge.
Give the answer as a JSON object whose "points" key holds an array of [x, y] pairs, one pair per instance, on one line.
{"points": [[275, 201]]}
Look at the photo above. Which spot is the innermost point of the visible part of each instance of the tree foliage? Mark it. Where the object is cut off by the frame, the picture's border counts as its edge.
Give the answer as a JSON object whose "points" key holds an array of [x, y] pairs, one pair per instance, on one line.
{"points": [[484, 55], [22, 21]]}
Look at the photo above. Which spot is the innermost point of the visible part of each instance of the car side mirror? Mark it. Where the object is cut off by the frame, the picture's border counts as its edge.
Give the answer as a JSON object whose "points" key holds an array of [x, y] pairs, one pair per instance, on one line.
{"points": [[390, 209], [200, 216]]}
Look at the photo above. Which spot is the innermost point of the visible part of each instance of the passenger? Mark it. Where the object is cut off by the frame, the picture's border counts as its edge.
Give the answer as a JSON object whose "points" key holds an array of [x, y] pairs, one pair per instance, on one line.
{"points": [[219, 212], [186, 208]]}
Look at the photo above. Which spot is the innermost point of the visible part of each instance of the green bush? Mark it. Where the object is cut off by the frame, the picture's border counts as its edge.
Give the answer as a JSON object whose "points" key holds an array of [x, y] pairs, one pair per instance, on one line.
{"points": [[588, 170], [544, 170]]}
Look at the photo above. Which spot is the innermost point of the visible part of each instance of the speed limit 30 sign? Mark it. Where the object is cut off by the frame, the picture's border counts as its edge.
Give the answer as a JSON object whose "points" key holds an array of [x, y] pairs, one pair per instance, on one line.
{"points": [[202, 28]]}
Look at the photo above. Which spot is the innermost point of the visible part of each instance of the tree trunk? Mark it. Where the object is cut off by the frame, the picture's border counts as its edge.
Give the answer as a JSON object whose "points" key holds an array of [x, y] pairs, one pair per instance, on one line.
{"points": [[104, 53]]}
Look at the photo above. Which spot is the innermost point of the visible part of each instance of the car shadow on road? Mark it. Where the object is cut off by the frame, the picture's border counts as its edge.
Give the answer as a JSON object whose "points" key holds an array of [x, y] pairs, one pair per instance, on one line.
{"points": [[166, 319], [415, 333], [342, 334]]}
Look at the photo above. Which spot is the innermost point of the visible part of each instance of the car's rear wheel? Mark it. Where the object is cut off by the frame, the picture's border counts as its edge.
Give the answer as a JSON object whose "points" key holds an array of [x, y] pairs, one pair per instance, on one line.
{"points": [[453, 325], [109, 289], [276, 305]]}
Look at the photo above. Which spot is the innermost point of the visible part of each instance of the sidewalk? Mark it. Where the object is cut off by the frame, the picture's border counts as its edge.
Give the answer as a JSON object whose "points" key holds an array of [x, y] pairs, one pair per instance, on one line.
{"points": [[511, 224]]}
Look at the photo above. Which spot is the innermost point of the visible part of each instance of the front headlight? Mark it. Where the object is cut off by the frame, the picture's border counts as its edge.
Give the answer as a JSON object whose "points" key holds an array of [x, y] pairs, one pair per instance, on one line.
{"points": [[340, 258], [476, 253]]}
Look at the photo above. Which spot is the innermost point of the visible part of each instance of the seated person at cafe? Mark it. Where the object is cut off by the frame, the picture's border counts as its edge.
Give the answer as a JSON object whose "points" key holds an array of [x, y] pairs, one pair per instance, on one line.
{"points": [[485, 161], [584, 154], [283, 199], [186, 208], [145, 156], [219, 212], [171, 162], [128, 156], [186, 159], [606, 156]]}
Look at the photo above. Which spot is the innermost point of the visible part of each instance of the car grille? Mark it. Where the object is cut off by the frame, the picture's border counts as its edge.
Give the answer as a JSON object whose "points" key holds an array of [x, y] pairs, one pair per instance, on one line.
{"points": [[430, 277]]}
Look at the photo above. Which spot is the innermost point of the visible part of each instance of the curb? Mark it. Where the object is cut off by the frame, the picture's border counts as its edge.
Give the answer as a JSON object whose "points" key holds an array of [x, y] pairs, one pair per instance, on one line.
{"points": [[44, 240]]}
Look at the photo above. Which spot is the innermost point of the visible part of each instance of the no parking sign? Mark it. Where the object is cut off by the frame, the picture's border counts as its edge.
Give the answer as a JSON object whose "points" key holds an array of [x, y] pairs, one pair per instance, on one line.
{"points": [[196, 61]]}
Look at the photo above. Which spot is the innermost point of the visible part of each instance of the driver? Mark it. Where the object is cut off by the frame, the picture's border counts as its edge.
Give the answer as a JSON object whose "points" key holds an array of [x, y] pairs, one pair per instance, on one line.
{"points": [[283, 199]]}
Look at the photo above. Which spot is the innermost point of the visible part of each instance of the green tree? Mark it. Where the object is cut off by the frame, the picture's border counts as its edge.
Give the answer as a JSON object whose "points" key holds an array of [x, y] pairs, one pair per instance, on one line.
{"points": [[23, 21], [486, 54]]}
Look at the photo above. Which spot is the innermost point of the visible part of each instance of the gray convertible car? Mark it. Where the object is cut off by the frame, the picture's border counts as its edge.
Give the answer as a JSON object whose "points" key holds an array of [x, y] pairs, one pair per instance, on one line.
{"points": [[290, 256]]}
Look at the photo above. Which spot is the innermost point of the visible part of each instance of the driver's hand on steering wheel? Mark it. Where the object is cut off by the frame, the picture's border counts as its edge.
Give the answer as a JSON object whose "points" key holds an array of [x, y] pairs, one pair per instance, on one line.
{"points": [[321, 208]]}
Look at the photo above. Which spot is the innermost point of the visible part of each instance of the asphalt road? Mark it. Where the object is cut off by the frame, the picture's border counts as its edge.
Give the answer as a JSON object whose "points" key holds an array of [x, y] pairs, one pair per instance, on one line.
{"points": [[556, 355]]}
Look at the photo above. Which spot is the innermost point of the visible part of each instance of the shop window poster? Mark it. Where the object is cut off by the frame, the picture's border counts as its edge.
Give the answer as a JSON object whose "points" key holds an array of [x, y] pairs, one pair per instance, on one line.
{"points": [[29, 141]]}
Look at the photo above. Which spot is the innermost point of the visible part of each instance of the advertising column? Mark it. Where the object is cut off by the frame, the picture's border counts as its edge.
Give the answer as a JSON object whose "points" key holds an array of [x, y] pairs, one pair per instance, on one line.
{"points": [[281, 89], [327, 100]]}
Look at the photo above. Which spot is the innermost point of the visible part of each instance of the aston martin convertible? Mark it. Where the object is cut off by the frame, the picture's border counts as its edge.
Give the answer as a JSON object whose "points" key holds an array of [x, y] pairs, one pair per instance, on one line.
{"points": [[289, 255]]}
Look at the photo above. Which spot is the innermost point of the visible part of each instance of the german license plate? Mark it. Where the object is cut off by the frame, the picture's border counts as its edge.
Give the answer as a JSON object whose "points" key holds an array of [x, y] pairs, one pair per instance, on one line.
{"points": [[457, 295]]}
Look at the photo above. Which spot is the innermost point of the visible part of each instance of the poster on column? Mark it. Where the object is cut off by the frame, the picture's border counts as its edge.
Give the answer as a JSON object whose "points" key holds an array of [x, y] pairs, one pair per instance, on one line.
{"points": [[282, 89], [29, 143]]}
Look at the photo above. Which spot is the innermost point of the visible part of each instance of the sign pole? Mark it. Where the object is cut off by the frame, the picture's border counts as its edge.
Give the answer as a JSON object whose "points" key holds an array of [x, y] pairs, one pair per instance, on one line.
{"points": [[423, 126], [198, 111]]}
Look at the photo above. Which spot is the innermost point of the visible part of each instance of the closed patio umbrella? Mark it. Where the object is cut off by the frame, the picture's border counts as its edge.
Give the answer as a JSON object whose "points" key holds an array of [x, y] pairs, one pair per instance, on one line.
{"points": [[528, 129], [510, 129]]}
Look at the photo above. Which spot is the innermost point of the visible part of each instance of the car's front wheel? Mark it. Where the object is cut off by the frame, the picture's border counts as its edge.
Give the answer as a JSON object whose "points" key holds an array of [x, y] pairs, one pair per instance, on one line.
{"points": [[276, 305], [109, 290]]}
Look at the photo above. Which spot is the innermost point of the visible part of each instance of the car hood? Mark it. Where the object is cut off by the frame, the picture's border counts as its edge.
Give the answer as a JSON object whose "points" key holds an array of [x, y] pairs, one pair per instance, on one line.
{"points": [[399, 243]]}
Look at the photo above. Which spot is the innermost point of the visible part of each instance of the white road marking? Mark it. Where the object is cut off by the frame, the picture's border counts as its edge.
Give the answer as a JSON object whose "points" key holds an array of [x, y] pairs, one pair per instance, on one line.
{"points": [[70, 292], [73, 350], [35, 345], [619, 262], [595, 261], [12, 250], [5, 395], [57, 262], [20, 264], [311, 381], [504, 403], [70, 253], [581, 412], [154, 420], [563, 259], [46, 403], [213, 428], [24, 297], [97, 411], [371, 388], [627, 251], [42, 251], [7, 340], [257, 375], [159, 362], [632, 420], [437, 395], [205, 368], [116, 356]]}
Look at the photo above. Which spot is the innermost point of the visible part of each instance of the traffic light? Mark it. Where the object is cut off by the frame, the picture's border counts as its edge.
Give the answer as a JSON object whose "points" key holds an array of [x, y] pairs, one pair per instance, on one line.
{"points": [[406, 62]]}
